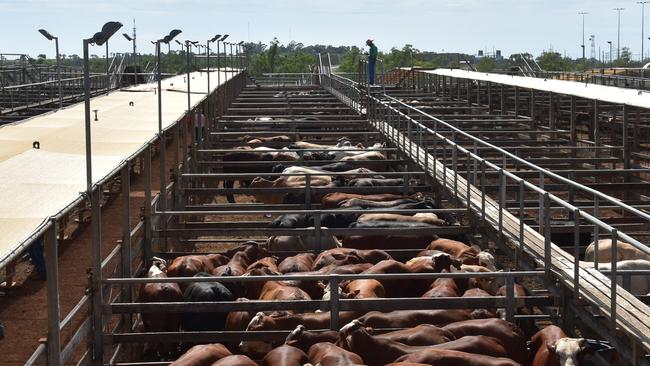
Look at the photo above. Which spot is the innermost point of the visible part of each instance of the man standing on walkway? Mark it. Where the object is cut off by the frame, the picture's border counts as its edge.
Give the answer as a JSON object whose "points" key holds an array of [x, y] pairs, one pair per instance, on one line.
{"points": [[372, 60]]}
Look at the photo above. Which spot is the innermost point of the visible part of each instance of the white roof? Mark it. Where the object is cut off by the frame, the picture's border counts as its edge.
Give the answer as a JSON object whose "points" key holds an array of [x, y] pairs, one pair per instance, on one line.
{"points": [[612, 94], [39, 183]]}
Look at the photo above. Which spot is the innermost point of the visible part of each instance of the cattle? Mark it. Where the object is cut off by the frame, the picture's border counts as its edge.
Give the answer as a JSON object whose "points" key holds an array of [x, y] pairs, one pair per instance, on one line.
{"points": [[552, 347], [443, 287], [443, 357], [160, 292], [205, 292], [283, 321], [364, 289], [272, 198], [282, 140], [335, 220], [376, 182], [399, 288], [480, 313], [462, 251], [527, 325], [235, 360], [303, 339], [387, 241], [368, 155], [377, 351], [302, 262], [421, 335], [285, 355], [328, 354], [267, 262], [341, 256], [406, 225], [366, 204], [302, 243], [506, 332], [639, 284], [272, 290], [249, 155], [189, 265], [238, 320], [332, 200], [202, 355], [411, 318], [427, 218], [624, 251]]}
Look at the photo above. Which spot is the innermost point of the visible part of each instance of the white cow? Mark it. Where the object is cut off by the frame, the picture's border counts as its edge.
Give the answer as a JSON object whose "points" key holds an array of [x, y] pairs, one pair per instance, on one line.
{"points": [[624, 251]]}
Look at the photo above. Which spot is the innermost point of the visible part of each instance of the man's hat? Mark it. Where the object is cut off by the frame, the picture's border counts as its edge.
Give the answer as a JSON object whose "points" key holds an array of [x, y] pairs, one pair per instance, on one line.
{"points": [[369, 41]]}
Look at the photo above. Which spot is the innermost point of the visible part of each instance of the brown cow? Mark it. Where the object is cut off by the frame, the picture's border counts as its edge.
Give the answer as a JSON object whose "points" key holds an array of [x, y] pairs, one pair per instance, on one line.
{"points": [[421, 335], [411, 318], [302, 262], [288, 322], [235, 360], [462, 251], [202, 355], [443, 357], [388, 241], [303, 339], [507, 333], [160, 292], [332, 200], [480, 313], [443, 287], [378, 351], [552, 347], [328, 354], [189, 265], [364, 289], [342, 256], [285, 355], [272, 290], [270, 263]]}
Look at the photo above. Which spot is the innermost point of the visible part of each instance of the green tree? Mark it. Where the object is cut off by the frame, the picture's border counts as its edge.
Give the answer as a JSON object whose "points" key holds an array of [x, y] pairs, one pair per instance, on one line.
{"points": [[486, 64], [350, 61], [624, 58], [553, 61]]}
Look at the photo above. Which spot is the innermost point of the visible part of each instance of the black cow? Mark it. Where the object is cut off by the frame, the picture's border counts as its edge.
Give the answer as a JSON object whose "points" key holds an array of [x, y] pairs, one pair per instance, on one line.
{"points": [[205, 292], [337, 220]]}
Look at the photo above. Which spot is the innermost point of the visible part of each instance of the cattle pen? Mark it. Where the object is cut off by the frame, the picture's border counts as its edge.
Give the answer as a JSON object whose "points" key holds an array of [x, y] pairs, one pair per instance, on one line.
{"points": [[486, 167]]}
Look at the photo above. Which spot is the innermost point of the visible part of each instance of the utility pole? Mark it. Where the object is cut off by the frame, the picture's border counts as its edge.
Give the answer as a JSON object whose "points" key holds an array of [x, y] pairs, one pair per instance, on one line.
{"points": [[618, 43], [642, 27], [583, 13]]}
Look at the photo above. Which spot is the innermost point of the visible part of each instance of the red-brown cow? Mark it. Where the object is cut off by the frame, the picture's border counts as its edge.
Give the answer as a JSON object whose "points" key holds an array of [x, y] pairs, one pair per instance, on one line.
{"points": [[552, 347], [285, 355], [189, 265], [328, 354], [480, 313], [160, 292], [235, 360], [388, 241], [303, 339], [443, 287], [342, 256], [443, 357], [364, 289], [462, 251], [411, 318], [507, 333], [270, 263], [379, 351], [302, 262], [202, 355], [421, 335], [332, 200]]}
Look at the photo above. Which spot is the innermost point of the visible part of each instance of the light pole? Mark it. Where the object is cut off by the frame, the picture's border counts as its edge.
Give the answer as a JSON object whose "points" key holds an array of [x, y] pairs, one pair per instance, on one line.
{"points": [[642, 26], [135, 61], [180, 44], [207, 45], [99, 39], [219, 57], [50, 37], [161, 135], [618, 44], [610, 54], [583, 13], [239, 49]]}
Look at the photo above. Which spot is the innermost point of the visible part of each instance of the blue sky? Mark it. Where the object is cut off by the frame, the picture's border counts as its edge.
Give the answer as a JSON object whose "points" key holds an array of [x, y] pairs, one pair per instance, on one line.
{"points": [[450, 25]]}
